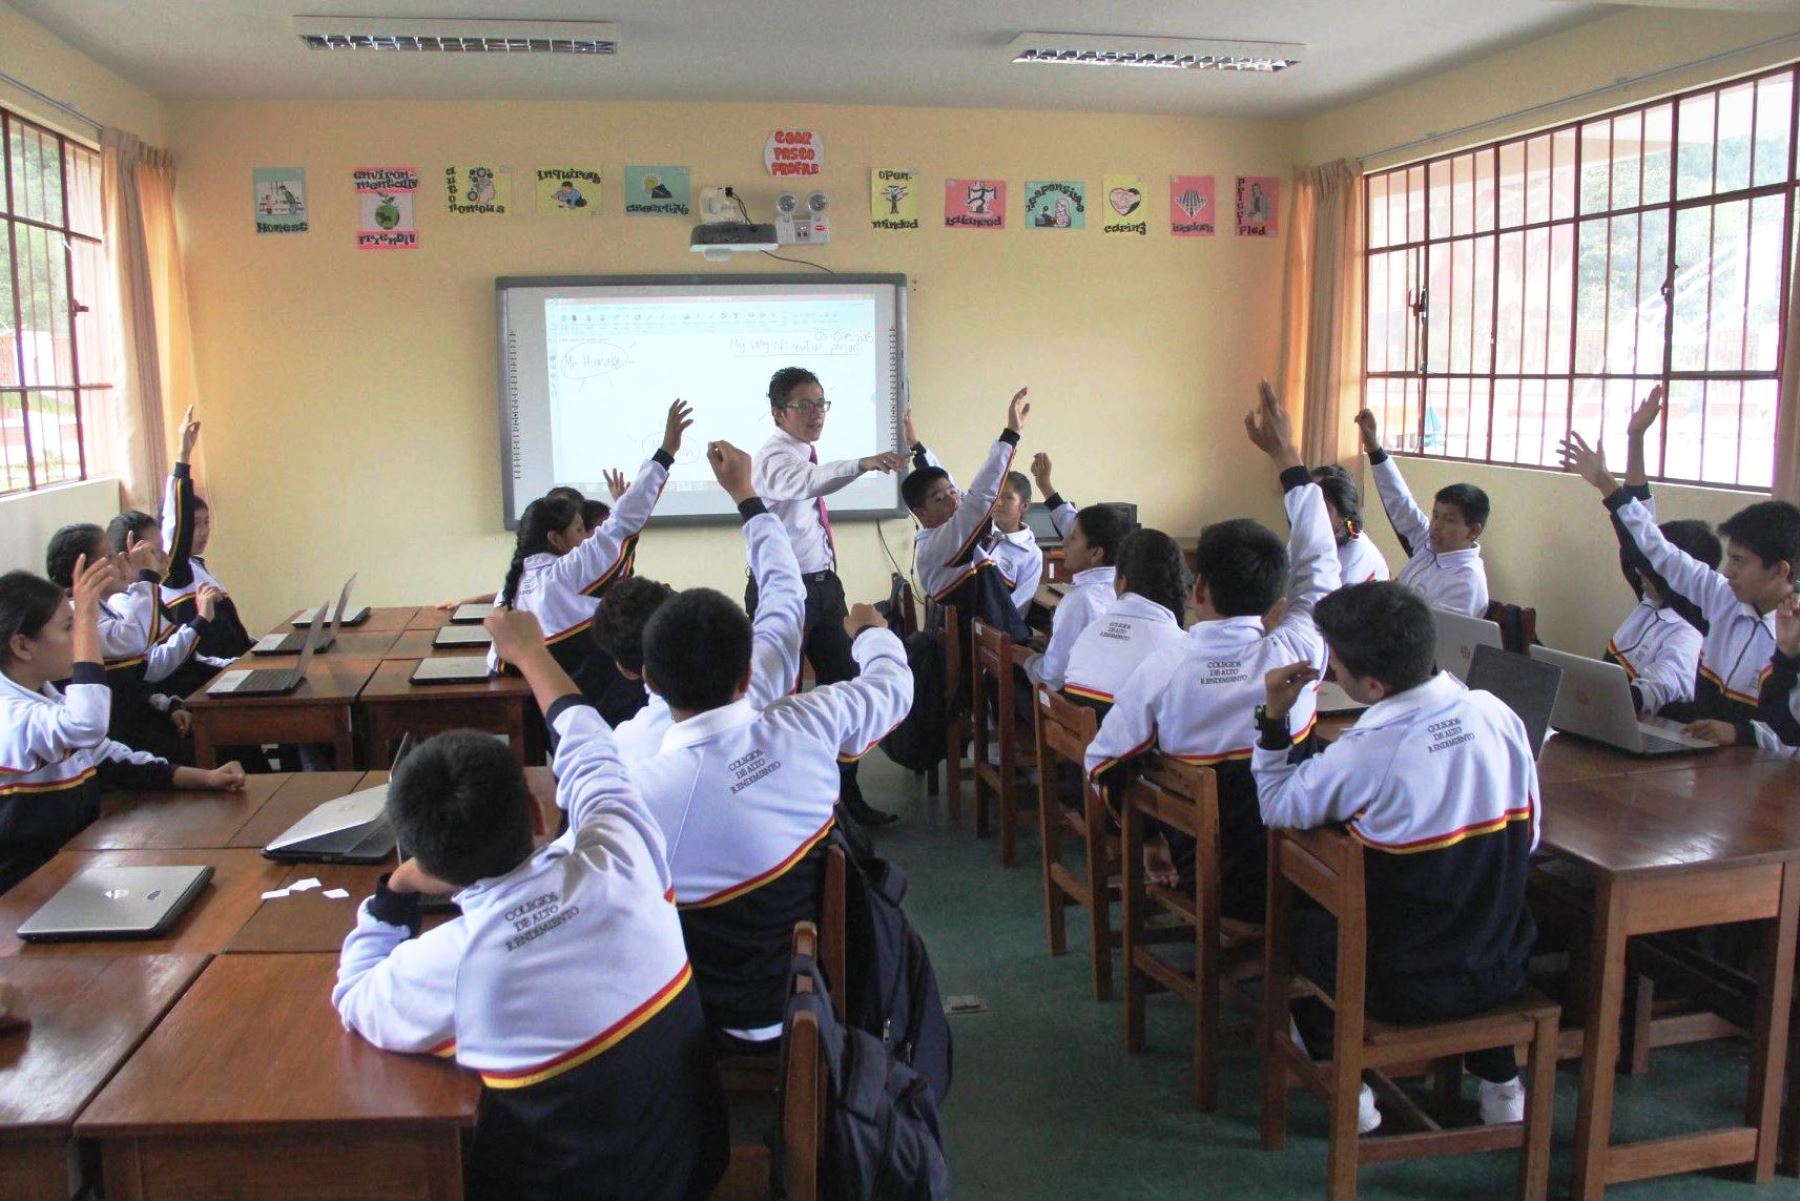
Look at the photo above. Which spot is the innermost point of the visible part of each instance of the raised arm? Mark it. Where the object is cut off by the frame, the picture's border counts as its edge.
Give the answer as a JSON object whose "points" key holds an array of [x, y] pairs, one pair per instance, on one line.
{"points": [[1411, 524], [1313, 568], [855, 715], [949, 542], [595, 561], [49, 733], [178, 509], [777, 632], [1062, 512]]}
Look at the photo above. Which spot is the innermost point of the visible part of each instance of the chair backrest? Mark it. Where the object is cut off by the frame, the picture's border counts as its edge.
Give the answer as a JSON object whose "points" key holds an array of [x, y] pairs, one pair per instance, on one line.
{"points": [[1179, 794], [833, 957], [993, 659], [1064, 730], [803, 1090], [1327, 865], [954, 650], [1518, 625]]}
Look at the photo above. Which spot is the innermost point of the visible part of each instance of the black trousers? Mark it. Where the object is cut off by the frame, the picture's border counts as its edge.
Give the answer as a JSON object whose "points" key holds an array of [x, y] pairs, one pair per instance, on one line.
{"points": [[827, 647]]}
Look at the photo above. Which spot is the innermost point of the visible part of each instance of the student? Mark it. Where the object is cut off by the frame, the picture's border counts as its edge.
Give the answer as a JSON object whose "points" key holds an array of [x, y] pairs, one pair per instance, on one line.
{"points": [[593, 514], [1091, 541], [1009, 546], [173, 664], [1359, 560], [745, 796], [54, 753], [558, 567], [186, 532], [952, 522], [1439, 784], [1196, 701], [1777, 724], [564, 981], [1151, 582], [1444, 556]]}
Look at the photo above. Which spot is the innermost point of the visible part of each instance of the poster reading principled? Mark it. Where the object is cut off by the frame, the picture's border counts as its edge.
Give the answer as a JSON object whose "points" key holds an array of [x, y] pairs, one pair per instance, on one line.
{"points": [[1124, 210], [658, 192], [1258, 206], [280, 199], [975, 203], [1191, 206], [384, 196], [893, 198], [480, 190], [569, 190], [1056, 204]]}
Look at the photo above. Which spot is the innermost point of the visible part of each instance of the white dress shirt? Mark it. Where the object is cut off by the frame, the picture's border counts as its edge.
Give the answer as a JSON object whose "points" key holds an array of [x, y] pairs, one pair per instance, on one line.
{"points": [[793, 486]]}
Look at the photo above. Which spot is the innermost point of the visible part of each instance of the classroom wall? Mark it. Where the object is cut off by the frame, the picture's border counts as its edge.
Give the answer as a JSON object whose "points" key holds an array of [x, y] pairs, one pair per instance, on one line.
{"points": [[28, 519], [349, 397], [31, 53]]}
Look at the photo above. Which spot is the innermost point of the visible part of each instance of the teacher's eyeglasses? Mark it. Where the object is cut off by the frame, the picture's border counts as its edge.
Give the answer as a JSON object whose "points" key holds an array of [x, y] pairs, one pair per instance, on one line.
{"points": [[808, 406]]}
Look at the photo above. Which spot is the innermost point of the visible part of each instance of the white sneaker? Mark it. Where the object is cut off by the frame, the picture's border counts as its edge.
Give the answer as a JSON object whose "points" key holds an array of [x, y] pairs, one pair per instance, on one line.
{"points": [[1368, 1118], [1501, 1103]]}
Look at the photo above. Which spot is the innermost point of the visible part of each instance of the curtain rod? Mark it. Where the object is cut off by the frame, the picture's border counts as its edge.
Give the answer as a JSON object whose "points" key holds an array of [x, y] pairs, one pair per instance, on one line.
{"points": [[1614, 86], [52, 101]]}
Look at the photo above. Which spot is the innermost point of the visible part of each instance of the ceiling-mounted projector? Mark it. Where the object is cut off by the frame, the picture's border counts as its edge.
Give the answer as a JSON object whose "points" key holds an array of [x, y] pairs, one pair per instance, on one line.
{"points": [[719, 240]]}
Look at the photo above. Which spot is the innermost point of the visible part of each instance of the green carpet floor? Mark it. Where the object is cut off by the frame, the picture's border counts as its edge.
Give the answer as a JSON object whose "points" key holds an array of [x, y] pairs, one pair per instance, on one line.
{"points": [[1047, 1103]]}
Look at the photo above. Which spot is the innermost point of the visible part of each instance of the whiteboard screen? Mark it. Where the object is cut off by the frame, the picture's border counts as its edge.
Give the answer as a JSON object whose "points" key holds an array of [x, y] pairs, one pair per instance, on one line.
{"points": [[588, 367]]}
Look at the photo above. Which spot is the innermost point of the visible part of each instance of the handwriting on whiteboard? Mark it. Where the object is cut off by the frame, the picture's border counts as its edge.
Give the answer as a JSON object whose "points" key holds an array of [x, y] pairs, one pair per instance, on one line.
{"points": [[806, 345]]}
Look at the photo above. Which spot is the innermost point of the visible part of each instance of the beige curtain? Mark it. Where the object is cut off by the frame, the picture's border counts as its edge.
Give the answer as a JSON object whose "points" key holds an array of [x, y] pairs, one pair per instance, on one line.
{"points": [[1787, 418], [1322, 321], [154, 348]]}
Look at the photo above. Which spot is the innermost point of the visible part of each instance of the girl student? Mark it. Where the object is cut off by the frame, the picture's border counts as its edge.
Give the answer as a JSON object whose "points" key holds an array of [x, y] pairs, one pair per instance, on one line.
{"points": [[1151, 583], [54, 753], [186, 531], [593, 514]]}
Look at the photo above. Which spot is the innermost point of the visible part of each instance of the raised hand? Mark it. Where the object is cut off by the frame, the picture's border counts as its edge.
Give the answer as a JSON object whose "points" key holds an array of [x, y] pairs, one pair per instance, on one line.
{"points": [[1284, 685], [1645, 415], [731, 467], [1371, 433], [1787, 625], [615, 483], [1270, 429], [91, 583], [1017, 410], [906, 427], [190, 434], [1040, 471], [1588, 462], [863, 615], [142, 555], [681, 416]]}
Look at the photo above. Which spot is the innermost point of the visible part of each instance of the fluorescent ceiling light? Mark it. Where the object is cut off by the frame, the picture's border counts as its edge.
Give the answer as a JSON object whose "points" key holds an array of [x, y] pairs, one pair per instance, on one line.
{"points": [[458, 36], [1189, 54]]}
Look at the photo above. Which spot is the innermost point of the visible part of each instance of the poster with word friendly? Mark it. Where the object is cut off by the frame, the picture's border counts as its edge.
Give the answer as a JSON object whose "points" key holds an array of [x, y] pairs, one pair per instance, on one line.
{"points": [[280, 194], [1258, 206], [794, 152], [1056, 204], [893, 198], [478, 190], [975, 203], [1191, 206], [658, 191], [574, 190], [1123, 212], [384, 198]]}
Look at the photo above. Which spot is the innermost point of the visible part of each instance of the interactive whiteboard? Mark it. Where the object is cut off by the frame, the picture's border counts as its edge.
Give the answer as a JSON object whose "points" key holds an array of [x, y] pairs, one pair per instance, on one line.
{"points": [[589, 366]]}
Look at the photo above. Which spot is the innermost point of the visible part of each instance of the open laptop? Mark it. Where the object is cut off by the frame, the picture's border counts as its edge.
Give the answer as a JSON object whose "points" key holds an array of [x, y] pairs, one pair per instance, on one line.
{"points": [[116, 902], [343, 618], [451, 669], [470, 614], [1528, 686], [291, 642], [462, 636], [271, 681], [350, 829], [1037, 520], [1594, 702], [1457, 638], [1333, 699]]}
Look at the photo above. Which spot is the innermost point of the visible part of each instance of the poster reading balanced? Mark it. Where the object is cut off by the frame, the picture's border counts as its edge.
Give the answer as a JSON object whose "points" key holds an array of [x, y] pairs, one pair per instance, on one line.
{"points": [[384, 197]]}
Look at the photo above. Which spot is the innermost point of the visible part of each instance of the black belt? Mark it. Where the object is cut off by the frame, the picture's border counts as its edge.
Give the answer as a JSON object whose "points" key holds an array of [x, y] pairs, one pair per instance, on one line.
{"points": [[817, 577]]}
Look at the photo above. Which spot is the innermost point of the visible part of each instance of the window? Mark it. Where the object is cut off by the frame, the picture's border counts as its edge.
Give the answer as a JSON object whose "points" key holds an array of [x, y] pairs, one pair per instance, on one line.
{"points": [[1530, 286], [51, 273]]}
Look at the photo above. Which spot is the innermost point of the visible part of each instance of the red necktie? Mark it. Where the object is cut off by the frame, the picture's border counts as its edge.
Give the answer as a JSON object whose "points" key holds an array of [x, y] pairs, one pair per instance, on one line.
{"points": [[812, 456]]}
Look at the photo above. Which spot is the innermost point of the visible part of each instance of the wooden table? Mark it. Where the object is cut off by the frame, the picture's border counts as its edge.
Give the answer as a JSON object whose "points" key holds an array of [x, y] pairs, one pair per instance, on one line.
{"points": [[1566, 758], [416, 644], [144, 821], [430, 617], [317, 713], [215, 1105], [86, 1016], [392, 705], [384, 620]]}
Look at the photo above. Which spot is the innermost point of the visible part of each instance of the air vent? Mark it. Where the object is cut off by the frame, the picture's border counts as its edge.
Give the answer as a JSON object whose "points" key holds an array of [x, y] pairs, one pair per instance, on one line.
{"points": [[1183, 54], [458, 36]]}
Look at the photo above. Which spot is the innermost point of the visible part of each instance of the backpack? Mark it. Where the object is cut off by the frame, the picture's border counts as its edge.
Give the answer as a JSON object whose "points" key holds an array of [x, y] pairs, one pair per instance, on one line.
{"points": [[917, 743]]}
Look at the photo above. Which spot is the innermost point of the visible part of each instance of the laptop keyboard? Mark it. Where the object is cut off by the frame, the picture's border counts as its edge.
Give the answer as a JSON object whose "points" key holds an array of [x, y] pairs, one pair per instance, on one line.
{"points": [[1655, 744]]}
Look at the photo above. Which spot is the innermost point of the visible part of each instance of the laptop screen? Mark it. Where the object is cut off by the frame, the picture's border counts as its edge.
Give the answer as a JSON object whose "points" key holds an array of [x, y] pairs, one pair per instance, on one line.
{"points": [[1528, 686]]}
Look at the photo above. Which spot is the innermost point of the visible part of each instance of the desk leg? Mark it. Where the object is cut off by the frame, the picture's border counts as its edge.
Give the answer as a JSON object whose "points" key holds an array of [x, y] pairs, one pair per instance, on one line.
{"points": [[380, 738], [343, 746], [1600, 1049], [1768, 1043], [206, 755]]}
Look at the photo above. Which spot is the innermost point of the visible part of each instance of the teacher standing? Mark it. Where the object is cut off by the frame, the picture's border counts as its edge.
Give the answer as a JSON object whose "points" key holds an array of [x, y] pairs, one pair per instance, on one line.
{"points": [[794, 484]]}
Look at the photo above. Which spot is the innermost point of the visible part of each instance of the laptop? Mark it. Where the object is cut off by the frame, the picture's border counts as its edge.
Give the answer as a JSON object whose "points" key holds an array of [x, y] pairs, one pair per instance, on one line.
{"points": [[451, 669], [1457, 638], [1527, 685], [293, 640], [1037, 520], [271, 681], [471, 614], [350, 829], [116, 902], [462, 636], [346, 619], [1333, 699], [1594, 702]]}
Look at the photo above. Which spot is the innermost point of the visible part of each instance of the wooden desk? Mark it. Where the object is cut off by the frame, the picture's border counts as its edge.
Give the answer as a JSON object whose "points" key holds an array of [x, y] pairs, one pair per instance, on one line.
{"points": [[380, 621], [1566, 758], [416, 644], [214, 1104], [392, 706], [318, 712], [142, 821], [430, 617], [87, 1015]]}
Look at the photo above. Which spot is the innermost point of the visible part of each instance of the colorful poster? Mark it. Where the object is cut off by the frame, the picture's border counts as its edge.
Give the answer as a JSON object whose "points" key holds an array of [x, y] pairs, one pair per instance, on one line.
{"points": [[791, 152], [975, 203], [1258, 206], [478, 189], [280, 199], [893, 198], [1056, 204], [658, 192], [1191, 206], [1124, 212], [385, 198], [569, 190]]}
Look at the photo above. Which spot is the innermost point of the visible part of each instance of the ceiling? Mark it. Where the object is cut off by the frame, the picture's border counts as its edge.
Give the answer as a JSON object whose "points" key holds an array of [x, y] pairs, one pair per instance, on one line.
{"points": [[913, 52]]}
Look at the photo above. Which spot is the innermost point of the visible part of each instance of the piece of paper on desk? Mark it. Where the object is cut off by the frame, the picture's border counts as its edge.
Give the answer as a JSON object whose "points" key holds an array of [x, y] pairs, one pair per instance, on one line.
{"points": [[306, 885], [274, 894], [336, 894]]}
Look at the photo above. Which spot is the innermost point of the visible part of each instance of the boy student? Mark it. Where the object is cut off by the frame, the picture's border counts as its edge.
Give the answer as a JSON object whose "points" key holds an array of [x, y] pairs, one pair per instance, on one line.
{"points": [[1091, 541], [952, 522], [564, 982], [1440, 785], [1444, 558], [1359, 561], [1196, 701], [1009, 545], [744, 796]]}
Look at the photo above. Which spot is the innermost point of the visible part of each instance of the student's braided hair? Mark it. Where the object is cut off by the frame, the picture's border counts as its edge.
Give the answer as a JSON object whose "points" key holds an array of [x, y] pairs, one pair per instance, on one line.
{"points": [[542, 517], [1150, 565]]}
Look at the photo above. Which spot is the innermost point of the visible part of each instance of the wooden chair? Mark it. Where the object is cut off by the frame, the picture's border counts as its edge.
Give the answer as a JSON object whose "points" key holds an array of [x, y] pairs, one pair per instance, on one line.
{"points": [[1063, 731], [996, 658], [1518, 626], [1226, 951], [1327, 865], [957, 730]]}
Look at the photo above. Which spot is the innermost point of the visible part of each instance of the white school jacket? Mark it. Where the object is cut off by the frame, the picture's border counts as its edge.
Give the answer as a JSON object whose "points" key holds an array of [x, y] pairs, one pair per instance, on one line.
{"points": [[1129, 631], [1016, 556], [127, 620], [1660, 651], [945, 556], [1456, 580], [1360, 561], [1091, 593]]}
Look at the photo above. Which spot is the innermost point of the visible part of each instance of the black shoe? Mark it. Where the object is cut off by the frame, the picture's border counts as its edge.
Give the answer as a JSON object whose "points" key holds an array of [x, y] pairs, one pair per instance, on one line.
{"points": [[867, 815]]}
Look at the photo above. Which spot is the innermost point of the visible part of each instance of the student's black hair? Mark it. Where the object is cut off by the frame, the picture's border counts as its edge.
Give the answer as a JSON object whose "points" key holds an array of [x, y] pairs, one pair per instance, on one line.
{"points": [[623, 616], [1695, 539], [1769, 529], [917, 485], [593, 512], [1150, 565], [1470, 500], [1382, 630], [696, 649], [565, 492], [541, 518], [1244, 565], [131, 522], [1335, 482], [27, 603], [783, 383], [459, 804], [200, 504], [1106, 527], [1019, 484], [67, 545]]}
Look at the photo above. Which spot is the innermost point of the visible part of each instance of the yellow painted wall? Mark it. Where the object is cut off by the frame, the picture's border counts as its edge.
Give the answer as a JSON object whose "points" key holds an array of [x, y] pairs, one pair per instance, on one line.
{"points": [[349, 396], [33, 54]]}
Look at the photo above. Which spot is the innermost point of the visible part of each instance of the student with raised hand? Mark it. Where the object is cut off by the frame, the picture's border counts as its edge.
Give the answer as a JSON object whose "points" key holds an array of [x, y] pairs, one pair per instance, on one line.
{"points": [[1444, 554], [952, 522], [559, 567], [745, 796], [1734, 606], [1359, 560], [186, 532], [564, 982], [1439, 784], [1009, 546], [1196, 701], [54, 751], [1147, 617], [593, 515]]}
